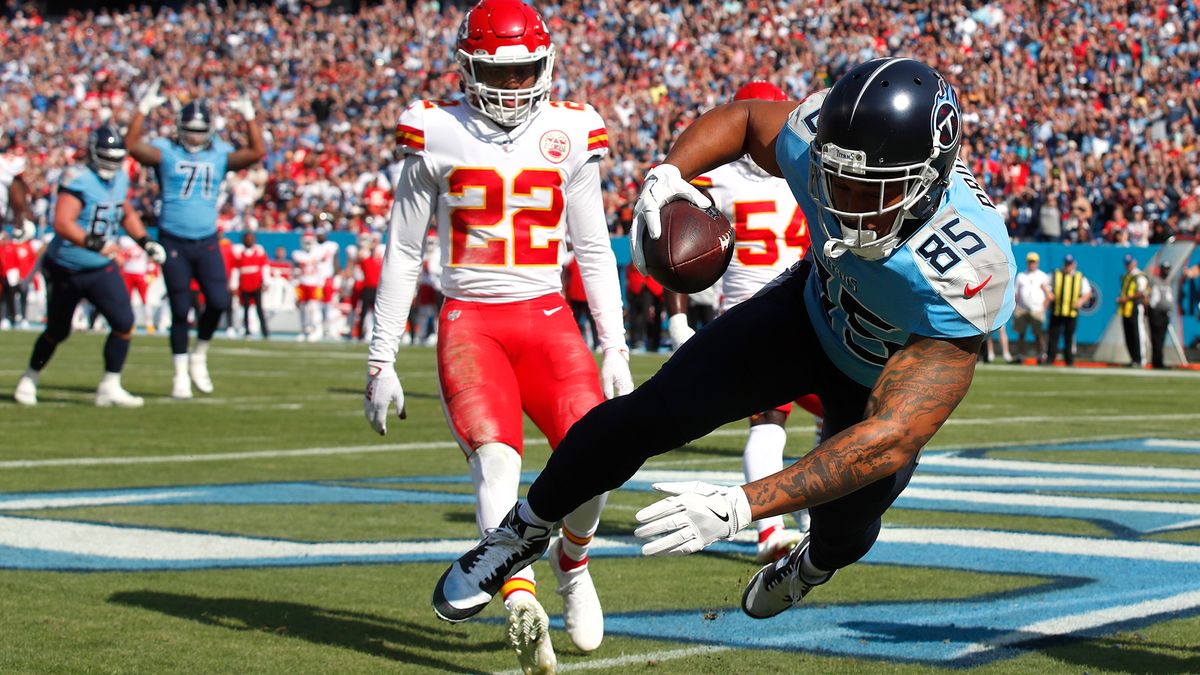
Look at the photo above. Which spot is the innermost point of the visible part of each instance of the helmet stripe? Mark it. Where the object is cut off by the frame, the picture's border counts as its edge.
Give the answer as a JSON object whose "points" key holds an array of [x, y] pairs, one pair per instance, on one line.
{"points": [[866, 84]]}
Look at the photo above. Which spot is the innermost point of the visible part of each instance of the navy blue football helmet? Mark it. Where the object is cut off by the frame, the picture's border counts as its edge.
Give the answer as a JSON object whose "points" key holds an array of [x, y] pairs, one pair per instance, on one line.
{"points": [[106, 151], [195, 126], [890, 127]]}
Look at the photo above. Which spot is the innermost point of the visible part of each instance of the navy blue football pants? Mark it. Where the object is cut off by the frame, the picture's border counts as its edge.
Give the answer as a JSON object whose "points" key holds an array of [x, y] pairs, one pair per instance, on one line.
{"points": [[757, 356], [198, 259], [104, 288]]}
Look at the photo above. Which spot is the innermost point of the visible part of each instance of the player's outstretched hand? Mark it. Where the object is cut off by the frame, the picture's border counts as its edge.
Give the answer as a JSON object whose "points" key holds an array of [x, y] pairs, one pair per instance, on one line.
{"points": [[154, 250], [615, 377], [678, 328], [244, 107], [383, 390], [151, 99], [694, 516], [663, 184]]}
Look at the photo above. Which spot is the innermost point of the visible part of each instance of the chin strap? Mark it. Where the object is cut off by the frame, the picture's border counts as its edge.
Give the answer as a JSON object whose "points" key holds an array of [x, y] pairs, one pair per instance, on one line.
{"points": [[835, 248]]}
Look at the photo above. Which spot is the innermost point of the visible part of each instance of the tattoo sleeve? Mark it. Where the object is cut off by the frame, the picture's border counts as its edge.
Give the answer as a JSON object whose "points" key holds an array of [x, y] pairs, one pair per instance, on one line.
{"points": [[916, 392]]}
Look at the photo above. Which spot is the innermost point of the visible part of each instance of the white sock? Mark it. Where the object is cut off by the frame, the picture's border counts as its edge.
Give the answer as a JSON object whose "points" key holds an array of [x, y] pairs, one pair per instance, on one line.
{"points": [[810, 572], [34, 375], [111, 379], [578, 528], [496, 473], [529, 516], [201, 348], [762, 457], [181, 364]]}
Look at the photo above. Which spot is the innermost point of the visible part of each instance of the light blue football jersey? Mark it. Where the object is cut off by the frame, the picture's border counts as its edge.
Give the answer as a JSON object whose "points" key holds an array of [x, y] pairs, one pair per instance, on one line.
{"points": [[952, 278], [189, 182], [102, 214]]}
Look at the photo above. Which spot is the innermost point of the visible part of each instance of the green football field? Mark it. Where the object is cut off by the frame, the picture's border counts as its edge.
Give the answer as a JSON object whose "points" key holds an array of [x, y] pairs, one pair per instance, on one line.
{"points": [[1052, 527]]}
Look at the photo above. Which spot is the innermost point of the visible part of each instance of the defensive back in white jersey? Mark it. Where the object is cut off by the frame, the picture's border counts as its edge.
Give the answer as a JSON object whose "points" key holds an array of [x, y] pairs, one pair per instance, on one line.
{"points": [[504, 196]]}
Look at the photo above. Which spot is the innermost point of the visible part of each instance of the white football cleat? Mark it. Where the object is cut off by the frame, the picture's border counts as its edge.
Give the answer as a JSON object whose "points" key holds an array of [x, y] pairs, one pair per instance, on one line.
{"points": [[582, 613], [198, 370], [181, 388], [111, 394], [778, 586], [529, 635], [26, 393], [776, 543]]}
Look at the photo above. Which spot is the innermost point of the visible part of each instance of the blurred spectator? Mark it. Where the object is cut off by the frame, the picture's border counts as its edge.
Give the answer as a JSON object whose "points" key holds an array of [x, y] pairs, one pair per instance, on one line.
{"points": [[1139, 228], [1097, 100]]}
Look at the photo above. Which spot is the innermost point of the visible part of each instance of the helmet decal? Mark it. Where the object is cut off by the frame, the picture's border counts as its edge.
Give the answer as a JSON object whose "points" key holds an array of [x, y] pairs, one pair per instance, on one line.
{"points": [[947, 124]]}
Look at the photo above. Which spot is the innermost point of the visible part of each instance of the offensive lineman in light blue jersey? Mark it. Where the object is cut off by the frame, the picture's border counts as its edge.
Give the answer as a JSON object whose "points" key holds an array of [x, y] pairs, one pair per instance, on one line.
{"points": [[909, 270], [189, 171], [91, 206]]}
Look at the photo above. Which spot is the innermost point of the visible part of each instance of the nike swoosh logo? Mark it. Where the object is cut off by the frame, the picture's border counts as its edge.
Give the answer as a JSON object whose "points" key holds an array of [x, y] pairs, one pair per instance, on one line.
{"points": [[969, 292], [550, 312], [724, 518]]}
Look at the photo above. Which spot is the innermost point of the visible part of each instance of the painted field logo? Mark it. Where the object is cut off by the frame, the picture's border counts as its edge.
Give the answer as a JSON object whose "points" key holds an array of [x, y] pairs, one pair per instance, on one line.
{"points": [[1091, 586]]}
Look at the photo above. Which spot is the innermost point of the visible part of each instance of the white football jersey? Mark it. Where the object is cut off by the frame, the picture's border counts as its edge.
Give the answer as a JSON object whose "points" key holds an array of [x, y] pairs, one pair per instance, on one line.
{"points": [[504, 201], [771, 232], [309, 264], [500, 196], [136, 260], [11, 166], [329, 254]]}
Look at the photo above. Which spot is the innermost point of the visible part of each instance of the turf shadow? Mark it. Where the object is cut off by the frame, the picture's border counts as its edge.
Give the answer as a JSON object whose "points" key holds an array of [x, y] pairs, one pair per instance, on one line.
{"points": [[401, 641], [1122, 654], [1130, 654]]}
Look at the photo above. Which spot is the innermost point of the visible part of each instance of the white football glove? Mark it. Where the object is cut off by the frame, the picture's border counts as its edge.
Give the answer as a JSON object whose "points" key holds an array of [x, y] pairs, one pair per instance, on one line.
{"points": [[244, 107], [679, 329], [663, 184], [25, 231], [151, 99], [155, 251], [696, 515], [615, 377], [383, 389]]}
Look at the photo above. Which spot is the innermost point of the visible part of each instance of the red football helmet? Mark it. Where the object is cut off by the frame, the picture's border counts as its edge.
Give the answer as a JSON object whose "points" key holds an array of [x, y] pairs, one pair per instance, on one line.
{"points": [[499, 33], [760, 90]]}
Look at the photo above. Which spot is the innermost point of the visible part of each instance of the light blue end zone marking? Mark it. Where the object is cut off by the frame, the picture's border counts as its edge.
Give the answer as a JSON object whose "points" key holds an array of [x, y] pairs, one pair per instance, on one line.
{"points": [[944, 631]]}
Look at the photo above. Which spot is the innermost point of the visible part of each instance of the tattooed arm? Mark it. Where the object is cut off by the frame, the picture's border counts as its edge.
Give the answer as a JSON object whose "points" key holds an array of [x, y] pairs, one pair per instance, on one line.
{"points": [[919, 387]]}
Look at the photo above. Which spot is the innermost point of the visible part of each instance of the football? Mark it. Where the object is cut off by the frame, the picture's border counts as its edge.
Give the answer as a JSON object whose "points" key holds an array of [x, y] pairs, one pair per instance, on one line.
{"points": [[695, 247]]}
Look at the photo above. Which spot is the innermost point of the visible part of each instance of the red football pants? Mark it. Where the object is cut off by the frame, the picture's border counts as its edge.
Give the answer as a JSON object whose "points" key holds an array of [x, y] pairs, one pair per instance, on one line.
{"points": [[497, 360]]}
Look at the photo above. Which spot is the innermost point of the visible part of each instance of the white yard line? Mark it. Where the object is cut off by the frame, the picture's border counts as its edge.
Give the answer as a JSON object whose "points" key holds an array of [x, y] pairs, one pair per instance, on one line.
{"points": [[224, 456], [1044, 543], [634, 659], [993, 466], [804, 430]]}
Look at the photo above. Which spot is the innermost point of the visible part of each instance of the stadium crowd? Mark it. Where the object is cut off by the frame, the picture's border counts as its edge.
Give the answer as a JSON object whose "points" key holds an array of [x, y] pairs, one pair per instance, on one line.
{"points": [[1082, 117]]}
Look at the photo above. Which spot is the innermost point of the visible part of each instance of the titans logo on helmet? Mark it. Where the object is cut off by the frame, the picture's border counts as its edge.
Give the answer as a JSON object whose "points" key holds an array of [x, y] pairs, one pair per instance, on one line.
{"points": [[947, 124]]}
